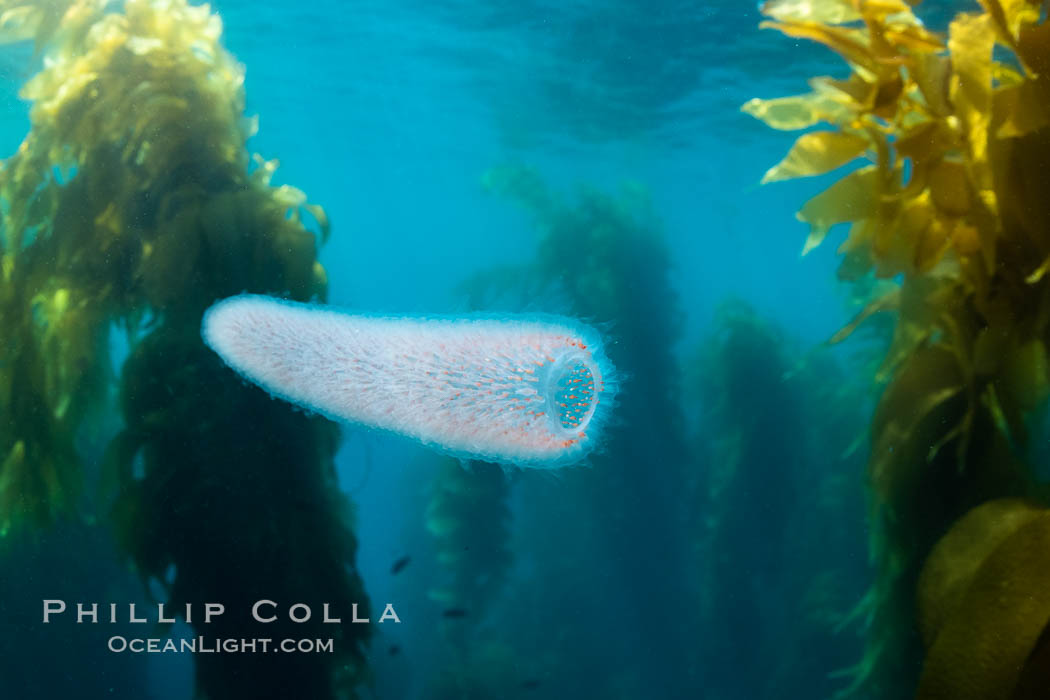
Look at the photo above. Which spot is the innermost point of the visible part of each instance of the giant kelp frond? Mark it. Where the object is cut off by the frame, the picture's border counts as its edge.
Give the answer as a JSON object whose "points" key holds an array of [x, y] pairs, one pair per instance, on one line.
{"points": [[144, 111], [904, 101], [131, 191], [133, 201], [952, 127]]}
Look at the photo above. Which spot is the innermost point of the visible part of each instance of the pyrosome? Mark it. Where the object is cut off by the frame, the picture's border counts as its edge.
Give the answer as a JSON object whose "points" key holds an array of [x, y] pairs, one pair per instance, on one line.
{"points": [[530, 391]]}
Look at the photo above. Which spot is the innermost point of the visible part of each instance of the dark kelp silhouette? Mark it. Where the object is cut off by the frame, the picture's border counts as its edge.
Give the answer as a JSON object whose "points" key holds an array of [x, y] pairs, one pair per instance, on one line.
{"points": [[782, 474], [602, 257]]}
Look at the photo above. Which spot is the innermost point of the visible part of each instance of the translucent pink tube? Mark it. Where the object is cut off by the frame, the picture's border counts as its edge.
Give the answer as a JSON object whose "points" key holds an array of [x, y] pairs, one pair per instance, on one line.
{"points": [[519, 390]]}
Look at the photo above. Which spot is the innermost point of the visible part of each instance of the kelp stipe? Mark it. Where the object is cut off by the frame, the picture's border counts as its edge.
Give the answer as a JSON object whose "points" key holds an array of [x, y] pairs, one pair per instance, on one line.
{"points": [[953, 140], [130, 202]]}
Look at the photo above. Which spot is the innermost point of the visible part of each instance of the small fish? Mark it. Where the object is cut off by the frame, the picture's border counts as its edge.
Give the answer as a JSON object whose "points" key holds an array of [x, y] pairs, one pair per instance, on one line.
{"points": [[400, 564], [454, 613], [395, 649], [530, 684]]}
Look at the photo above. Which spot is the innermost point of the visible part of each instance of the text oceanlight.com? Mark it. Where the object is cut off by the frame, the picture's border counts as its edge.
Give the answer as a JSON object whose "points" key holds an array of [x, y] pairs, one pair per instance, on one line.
{"points": [[201, 645]]}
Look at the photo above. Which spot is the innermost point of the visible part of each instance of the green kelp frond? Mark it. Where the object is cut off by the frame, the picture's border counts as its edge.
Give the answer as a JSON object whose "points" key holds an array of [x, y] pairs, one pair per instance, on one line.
{"points": [[133, 201], [951, 132], [131, 192], [136, 121]]}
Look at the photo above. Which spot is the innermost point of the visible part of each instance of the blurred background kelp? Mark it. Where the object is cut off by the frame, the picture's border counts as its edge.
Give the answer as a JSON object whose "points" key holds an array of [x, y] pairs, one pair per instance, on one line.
{"points": [[770, 515]]}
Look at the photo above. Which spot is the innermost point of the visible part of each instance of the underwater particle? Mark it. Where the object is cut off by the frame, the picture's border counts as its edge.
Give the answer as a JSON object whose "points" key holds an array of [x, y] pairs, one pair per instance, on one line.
{"points": [[528, 391], [454, 613]]}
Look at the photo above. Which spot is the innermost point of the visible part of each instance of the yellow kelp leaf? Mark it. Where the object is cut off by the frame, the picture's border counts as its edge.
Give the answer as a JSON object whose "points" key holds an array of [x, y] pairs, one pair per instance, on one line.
{"points": [[851, 44], [971, 41], [924, 143], [859, 237], [931, 245], [887, 302], [320, 280], [1010, 15], [950, 187], [966, 238], [901, 228], [827, 11], [932, 73], [1005, 414], [881, 9], [990, 347], [321, 217], [264, 170], [852, 198], [1026, 374], [1020, 109], [919, 406], [981, 649], [952, 564], [1004, 75], [817, 153], [887, 96], [1039, 272], [1033, 47], [920, 296], [19, 23], [913, 37], [289, 197], [856, 252], [798, 112], [855, 90]]}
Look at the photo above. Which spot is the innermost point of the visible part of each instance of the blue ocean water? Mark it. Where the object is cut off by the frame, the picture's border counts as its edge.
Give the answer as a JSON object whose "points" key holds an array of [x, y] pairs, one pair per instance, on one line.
{"points": [[651, 572]]}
